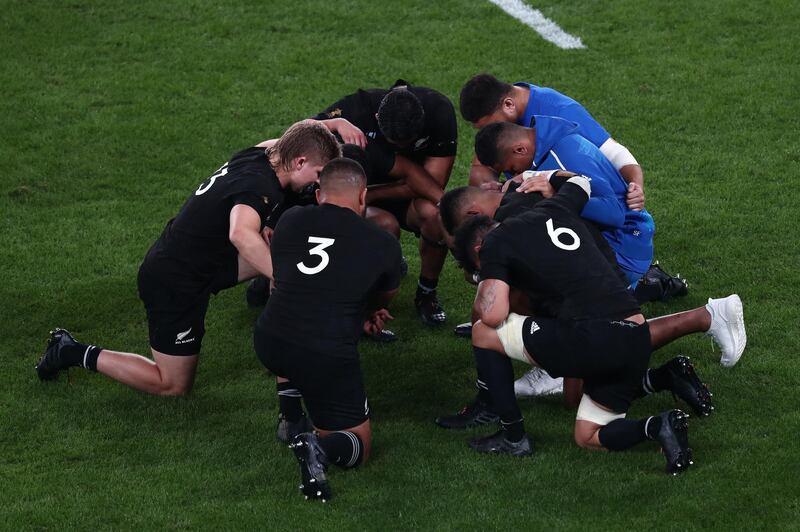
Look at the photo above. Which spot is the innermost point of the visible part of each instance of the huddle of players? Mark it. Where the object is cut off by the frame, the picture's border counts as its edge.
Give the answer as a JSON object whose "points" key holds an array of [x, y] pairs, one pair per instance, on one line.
{"points": [[336, 263]]}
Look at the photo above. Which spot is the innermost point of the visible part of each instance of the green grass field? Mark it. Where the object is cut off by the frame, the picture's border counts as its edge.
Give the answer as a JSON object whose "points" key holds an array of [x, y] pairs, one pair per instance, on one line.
{"points": [[112, 112]]}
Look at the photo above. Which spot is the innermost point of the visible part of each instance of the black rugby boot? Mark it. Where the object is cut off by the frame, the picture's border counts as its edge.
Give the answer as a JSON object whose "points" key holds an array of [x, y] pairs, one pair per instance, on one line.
{"points": [[313, 466], [472, 415], [686, 384], [497, 443], [429, 309], [52, 363], [287, 430], [674, 440]]}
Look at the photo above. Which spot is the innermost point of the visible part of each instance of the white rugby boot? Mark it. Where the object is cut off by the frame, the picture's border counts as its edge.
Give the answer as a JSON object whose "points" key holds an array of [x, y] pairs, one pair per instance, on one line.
{"points": [[537, 382], [727, 328]]}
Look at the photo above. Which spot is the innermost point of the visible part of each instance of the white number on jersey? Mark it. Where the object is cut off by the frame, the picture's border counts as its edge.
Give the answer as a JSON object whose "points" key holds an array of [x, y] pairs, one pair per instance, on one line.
{"points": [[318, 250], [208, 183], [555, 236]]}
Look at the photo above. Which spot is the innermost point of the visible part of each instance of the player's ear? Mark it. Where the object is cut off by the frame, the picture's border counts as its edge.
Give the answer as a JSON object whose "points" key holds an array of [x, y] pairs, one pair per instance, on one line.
{"points": [[317, 195], [509, 108], [362, 200], [299, 162], [519, 148]]}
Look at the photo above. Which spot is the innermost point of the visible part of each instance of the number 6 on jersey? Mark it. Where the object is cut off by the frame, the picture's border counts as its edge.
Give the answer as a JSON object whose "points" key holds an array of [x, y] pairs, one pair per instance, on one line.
{"points": [[317, 250]]}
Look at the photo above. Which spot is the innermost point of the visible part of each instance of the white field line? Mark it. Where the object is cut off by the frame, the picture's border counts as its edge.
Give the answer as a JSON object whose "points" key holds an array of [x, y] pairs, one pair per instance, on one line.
{"points": [[549, 30]]}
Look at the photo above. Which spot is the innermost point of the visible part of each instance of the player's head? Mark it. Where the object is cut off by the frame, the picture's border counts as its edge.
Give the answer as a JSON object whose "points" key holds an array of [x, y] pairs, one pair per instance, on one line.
{"points": [[469, 240], [401, 117], [342, 182], [485, 99], [302, 151], [457, 204], [505, 147]]}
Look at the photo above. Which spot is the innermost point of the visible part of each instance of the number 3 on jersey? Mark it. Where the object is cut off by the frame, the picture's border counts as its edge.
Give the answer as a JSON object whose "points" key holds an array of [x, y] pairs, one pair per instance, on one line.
{"points": [[555, 236], [318, 250]]}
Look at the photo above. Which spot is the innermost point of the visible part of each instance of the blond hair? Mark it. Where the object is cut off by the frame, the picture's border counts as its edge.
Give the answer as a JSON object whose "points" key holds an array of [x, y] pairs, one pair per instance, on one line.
{"points": [[307, 138]]}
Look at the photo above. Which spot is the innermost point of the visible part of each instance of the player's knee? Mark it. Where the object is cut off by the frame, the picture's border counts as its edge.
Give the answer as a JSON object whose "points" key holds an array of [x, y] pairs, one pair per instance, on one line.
{"points": [[584, 440], [386, 222], [427, 211], [481, 335], [174, 389]]}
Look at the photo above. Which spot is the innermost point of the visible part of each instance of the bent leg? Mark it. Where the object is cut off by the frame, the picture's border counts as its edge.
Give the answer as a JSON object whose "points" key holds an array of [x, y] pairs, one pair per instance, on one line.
{"points": [[164, 375], [342, 449], [665, 329], [384, 219]]}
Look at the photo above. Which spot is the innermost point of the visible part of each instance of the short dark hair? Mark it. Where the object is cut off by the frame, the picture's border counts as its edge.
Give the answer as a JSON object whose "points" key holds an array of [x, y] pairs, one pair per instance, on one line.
{"points": [[450, 205], [467, 235], [487, 143], [359, 155], [401, 117], [342, 173], [481, 96]]}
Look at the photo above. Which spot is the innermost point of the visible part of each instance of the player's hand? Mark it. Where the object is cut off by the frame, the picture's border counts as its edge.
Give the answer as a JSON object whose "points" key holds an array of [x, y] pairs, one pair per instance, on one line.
{"points": [[495, 186], [350, 133], [266, 234], [537, 183], [377, 321], [635, 197]]}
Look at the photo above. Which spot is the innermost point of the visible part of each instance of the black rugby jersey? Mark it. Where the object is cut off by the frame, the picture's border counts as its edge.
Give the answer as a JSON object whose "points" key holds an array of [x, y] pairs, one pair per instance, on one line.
{"points": [[193, 251], [438, 139], [550, 250], [327, 261]]}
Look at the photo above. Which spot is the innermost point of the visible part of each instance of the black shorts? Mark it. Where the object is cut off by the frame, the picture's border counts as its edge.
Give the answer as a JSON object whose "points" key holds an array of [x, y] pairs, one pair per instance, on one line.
{"points": [[332, 386], [610, 356], [399, 209], [176, 320]]}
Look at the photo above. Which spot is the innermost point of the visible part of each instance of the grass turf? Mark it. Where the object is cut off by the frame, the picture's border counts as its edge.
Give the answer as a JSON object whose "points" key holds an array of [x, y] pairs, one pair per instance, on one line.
{"points": [[113, 112]]}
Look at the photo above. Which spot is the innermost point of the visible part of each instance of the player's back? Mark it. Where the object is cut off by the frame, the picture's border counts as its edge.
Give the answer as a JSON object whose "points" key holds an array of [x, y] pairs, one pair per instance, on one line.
{"points": [[550, 249], [327, 261]]}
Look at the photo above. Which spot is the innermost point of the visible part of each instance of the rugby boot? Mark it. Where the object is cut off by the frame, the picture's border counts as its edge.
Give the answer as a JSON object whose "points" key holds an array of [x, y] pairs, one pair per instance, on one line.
{"points": [[674, 439], [464, 330], [685, 384], [51, 363], [384, 337], [403, 266], [313, 464], [429, 309], [472, 415], [727, 328], [658, 285], [287, 430], [536, 383], [497, 443], [257, 293]]}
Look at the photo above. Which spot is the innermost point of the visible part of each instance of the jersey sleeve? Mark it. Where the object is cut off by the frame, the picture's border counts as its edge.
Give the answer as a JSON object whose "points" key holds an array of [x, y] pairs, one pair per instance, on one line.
{"points": [[571, 192], [590, 128], [604, 207], [494, 260], [390, 280], [444, 132], [335, 109]]}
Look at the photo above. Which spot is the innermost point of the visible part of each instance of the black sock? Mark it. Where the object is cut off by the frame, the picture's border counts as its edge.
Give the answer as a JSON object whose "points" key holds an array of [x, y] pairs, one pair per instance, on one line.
{"points": [[343, 448], [515, 430], [623, 434], [81, 355], [483, 392], [289, 402], [496, 372], [657, 380], [426, 285]]}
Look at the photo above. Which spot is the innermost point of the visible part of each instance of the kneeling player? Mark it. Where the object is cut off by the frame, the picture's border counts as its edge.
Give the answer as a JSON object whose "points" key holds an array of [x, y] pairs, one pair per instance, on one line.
{"points": [[599, 334], [330, 266], [217, 240]]}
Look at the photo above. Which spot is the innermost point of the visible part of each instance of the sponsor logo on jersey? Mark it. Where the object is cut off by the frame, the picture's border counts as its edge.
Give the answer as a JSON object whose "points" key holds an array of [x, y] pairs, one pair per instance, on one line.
{"points": [[335, 113], [266, 200], [534, 327], [372, 134], [421, 142], [180, 338]]}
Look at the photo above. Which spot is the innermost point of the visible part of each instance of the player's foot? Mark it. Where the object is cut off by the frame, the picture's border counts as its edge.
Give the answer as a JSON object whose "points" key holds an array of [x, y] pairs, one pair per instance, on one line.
{"points": [[287, 430], [384, 337], [403, 266], [464, 330], [727, 328], [257, 292], [497, 443], [51, 363], [686, 385], [537, 382], [429, 309], [674, 439], [313, 466], [658, 285], [474, 414]]}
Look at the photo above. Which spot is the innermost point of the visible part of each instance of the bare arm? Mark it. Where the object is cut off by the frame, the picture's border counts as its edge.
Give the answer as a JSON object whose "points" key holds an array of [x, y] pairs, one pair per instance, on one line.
{"points": [[417, 178], [491, 302], [479, 174], [245, 235], [439, 169], [267, 143], [350, 133]]}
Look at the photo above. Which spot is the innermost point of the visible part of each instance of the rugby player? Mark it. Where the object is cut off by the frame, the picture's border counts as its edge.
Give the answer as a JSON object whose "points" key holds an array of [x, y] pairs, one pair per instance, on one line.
{"points": [[599, 333], [409, 136], [485, 99], [330, 267], [218, 239]]}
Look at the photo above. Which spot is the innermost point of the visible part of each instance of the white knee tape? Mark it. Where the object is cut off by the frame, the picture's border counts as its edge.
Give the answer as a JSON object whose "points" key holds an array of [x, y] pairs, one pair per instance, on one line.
{"points": [[510, 333], [588, 410]]}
